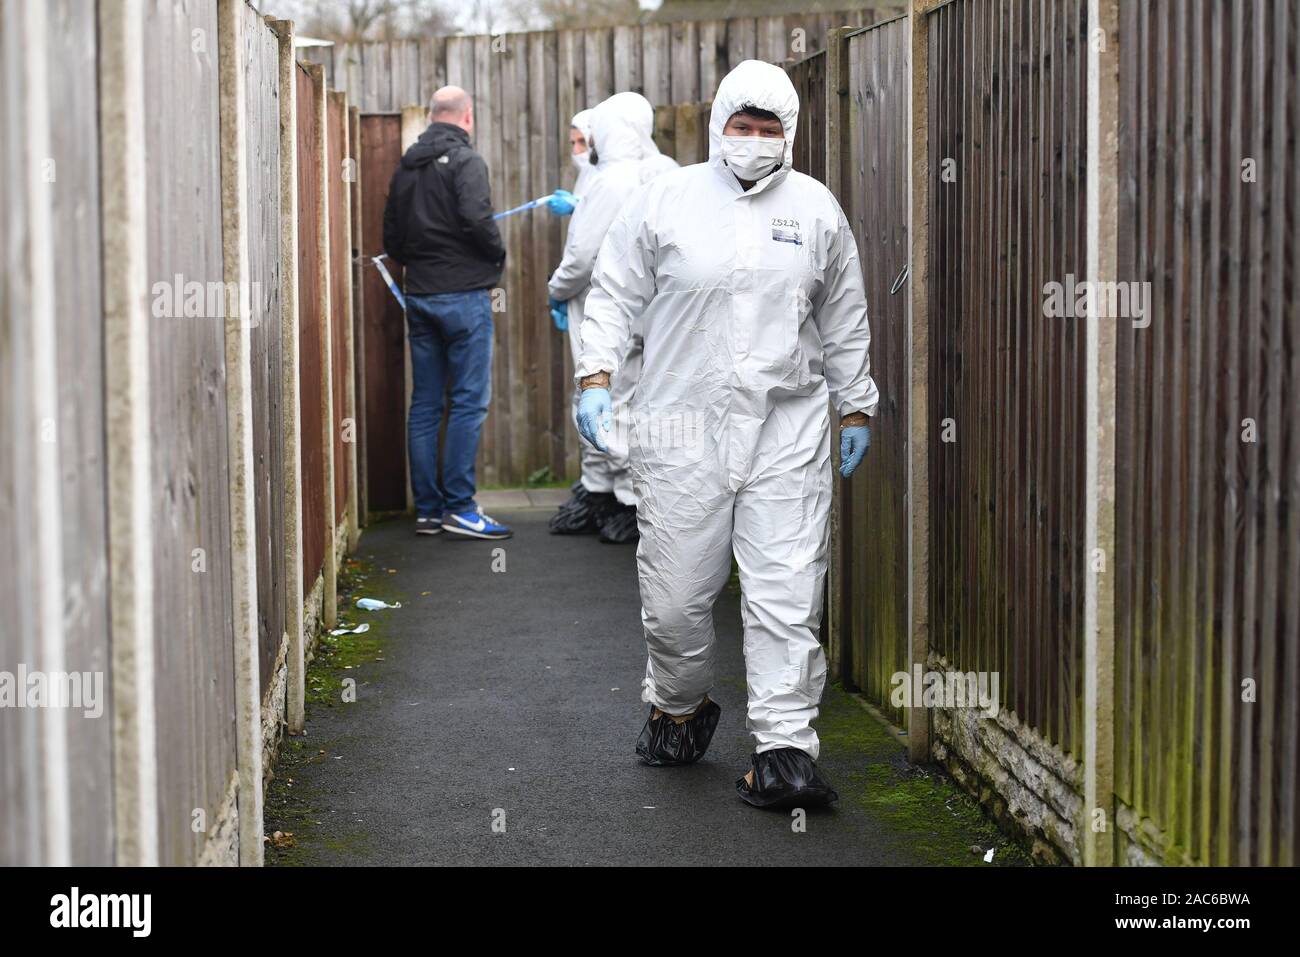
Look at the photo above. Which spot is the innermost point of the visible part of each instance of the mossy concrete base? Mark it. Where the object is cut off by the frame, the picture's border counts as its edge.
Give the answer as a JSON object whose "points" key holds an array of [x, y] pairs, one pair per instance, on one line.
{"points": [[867, 761], [1032, 788]]}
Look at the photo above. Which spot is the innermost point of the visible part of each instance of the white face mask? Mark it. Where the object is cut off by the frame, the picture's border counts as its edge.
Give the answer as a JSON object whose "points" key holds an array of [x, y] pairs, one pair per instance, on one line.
{"points": [[581, 160], [752, 157]]}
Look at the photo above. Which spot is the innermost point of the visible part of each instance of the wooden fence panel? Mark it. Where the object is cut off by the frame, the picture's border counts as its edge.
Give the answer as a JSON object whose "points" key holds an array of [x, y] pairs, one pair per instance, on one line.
{"points": [[1209, 469], [194, 613], [876, 516], [1007, 500], [310, 346], [384, 325], [262, 93], [336, 119]]}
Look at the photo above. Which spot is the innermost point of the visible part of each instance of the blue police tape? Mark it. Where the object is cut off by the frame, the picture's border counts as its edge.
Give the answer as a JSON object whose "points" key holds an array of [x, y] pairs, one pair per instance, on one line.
{"points": [[531, 204], [388, 279], [392, 284]]}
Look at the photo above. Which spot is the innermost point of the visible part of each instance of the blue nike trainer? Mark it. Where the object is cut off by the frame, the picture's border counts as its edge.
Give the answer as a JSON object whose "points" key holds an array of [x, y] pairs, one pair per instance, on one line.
{"points": [[474, 525]]}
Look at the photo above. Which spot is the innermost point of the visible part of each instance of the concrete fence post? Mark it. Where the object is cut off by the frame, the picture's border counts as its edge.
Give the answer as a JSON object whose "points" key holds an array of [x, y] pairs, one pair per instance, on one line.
{"points": [[239, 419], [123, 225], [1097, 829], [290, 392], [918, 371]]}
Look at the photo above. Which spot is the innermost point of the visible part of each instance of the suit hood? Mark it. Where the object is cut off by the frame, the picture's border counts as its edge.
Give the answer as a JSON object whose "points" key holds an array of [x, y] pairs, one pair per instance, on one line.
{"points": [[766, 87], [622, 128]]}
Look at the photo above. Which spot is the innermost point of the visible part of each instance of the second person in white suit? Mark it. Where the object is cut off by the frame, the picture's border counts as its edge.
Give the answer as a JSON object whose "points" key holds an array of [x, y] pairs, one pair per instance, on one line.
{"points": [[622, 157]]}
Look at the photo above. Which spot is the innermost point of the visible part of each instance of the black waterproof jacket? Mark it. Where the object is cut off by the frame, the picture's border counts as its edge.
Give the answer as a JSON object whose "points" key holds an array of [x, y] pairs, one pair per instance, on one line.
{"points": [[438, 220]]}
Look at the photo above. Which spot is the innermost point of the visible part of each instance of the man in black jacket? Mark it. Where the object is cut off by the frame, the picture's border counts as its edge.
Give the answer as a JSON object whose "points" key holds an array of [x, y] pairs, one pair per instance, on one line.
{"points": [[438, 224]]}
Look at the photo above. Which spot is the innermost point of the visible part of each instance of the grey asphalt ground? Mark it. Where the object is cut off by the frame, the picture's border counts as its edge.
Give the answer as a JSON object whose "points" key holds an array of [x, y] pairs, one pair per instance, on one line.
{"points": [[511, 698]]}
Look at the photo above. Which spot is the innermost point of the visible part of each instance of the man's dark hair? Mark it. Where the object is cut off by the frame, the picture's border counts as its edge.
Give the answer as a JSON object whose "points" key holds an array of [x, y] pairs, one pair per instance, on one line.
{"points": [[749, 109]]}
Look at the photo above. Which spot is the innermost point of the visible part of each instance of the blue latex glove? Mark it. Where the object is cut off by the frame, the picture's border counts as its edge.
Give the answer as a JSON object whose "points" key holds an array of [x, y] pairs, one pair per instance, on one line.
{"points": [[854, 442], [561, 202], [559, 313], [594, 415]]}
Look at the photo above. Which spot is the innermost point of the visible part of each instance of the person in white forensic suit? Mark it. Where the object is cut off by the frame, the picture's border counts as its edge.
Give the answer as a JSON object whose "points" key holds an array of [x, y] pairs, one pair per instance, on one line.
{"points": [[745, 280], [622, 155], [581, 512]]}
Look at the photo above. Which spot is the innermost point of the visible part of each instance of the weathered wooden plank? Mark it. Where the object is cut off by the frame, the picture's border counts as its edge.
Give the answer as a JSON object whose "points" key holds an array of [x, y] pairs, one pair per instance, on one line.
{"points": [[194, 611], [433, 68], [685, 57], [627, 59], [656, 68], [598, 66]]}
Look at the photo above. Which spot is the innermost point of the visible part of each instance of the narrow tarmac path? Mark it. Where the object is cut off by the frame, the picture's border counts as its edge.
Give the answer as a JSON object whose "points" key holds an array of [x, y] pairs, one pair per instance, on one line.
{"points": [[495, 716]]}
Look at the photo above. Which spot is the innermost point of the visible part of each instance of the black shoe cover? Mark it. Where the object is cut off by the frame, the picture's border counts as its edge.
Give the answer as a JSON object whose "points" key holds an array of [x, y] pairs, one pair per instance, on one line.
{"points": [[620, 527], [785, 778], [664, 742], [583, 513]]}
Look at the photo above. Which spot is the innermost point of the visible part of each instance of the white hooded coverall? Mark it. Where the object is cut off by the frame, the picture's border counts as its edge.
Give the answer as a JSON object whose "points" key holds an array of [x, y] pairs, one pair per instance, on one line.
{"points": [[620, 131], [754, 317]]}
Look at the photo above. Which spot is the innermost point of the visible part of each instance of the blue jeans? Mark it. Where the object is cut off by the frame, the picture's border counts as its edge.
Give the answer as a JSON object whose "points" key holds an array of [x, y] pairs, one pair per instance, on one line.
{"points": [[451, 365]]}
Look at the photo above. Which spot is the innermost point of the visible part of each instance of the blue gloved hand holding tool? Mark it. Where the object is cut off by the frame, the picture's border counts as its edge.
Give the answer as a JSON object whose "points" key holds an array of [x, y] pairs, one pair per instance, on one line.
{"points": [[561, 202]]}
